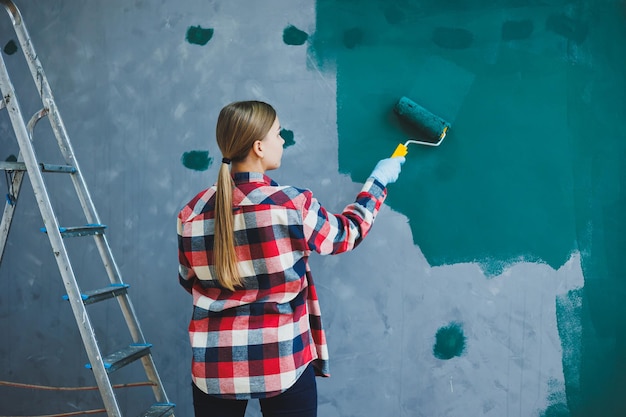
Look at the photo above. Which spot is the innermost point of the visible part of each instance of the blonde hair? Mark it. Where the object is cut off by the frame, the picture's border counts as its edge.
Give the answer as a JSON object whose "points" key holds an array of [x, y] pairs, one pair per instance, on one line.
{"points": [[239, 126]]}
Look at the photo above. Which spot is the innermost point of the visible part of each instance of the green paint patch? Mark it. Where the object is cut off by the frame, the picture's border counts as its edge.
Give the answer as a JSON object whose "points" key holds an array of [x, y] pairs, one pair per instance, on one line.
{"points": [[288, 136], [198, 35], [449, 342], [10, 48], [556, 395], [567, 27], [394, 15], [568, 316], [353, 37], [197, 160], [557, 402], [294, 36], [557, 410], [517, 29], [452, 38], [482, 196]]}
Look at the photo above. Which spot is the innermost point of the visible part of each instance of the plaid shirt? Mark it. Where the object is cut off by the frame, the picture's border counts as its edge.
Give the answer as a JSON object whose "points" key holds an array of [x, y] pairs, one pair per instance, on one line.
{"points": [[256, 341]]}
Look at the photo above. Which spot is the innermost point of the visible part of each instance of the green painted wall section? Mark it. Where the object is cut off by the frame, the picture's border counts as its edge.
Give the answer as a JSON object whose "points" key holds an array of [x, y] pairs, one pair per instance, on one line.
{"points": [[532, 169]]}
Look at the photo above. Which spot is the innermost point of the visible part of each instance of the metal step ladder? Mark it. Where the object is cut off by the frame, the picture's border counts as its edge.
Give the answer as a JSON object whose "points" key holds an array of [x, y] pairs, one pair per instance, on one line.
{"points": [[26, 162]]}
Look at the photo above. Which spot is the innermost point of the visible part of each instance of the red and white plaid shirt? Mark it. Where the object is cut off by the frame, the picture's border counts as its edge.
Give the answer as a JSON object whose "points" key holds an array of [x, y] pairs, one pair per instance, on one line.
{"points": [[256, 341]]}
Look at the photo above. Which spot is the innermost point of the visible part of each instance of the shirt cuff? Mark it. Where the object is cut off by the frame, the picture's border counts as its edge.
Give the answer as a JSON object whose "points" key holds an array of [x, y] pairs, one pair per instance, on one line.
{"points": [[374, 187]]}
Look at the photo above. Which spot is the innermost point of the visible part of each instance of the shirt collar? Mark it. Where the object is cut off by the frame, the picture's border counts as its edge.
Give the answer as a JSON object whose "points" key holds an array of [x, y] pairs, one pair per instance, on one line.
{"points": [[252, 177]]}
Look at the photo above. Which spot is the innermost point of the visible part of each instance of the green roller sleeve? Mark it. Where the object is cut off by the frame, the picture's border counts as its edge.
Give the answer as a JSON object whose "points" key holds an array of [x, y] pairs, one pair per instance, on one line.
{"points": [[427, 126]]}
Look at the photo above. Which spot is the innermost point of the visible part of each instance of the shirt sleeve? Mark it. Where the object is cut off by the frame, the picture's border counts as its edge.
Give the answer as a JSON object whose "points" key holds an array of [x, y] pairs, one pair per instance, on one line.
{"points": [[186, 274], [328, 233]]}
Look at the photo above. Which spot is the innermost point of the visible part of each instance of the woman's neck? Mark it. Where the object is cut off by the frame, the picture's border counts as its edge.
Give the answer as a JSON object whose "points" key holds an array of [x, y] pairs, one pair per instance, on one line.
{"points": [[247, 166]]}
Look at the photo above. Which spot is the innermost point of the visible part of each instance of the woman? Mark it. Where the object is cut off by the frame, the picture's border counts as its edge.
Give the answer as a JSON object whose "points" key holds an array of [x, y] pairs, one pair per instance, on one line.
{"points": [[256, 330]]}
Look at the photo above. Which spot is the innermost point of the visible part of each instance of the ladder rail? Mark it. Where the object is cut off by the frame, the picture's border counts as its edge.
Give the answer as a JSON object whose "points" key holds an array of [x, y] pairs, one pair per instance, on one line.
{"points": [[62, 137], [80, 185], [56, 240], [50, 109]]}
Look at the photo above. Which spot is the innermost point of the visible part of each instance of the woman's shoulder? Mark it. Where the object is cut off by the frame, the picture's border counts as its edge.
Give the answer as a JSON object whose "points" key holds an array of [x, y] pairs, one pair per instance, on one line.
{"points": [[282, 195], [201, 203]]}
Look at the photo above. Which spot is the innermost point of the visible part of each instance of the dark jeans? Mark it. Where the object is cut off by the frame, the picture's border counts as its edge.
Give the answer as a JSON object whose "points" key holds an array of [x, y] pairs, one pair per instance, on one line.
{"points": [[298, 401]]}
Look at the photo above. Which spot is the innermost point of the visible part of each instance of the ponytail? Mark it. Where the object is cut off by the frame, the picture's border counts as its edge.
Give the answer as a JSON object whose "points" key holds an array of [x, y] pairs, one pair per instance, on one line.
{"points": [[224, 239], [239, 125]]}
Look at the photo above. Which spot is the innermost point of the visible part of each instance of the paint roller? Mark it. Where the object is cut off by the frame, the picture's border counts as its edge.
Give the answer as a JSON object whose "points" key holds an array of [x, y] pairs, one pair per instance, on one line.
{"points": [[430, 128]]}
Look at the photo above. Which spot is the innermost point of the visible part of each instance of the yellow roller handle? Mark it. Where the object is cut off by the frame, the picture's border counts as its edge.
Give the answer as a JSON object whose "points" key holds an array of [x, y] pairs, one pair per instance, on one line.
{"points": [[401, 150]]}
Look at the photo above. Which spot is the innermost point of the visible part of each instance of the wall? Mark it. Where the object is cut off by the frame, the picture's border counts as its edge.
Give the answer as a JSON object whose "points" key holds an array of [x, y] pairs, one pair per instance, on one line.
{"points": [[490, 283]]}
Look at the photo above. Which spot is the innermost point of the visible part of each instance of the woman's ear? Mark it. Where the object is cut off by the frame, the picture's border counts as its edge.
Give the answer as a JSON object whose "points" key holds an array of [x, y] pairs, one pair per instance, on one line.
{"points": [[257, 148]]}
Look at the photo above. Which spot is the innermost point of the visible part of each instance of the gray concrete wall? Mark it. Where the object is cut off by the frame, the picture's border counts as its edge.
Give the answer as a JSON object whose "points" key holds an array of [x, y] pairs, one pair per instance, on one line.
{"points": [[136, 95]]}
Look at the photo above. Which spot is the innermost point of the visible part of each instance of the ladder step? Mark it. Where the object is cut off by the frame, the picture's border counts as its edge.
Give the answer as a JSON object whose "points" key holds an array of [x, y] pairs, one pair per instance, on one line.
{"points": [[123, 357], [86, 230], [113, 290], [159, 410], [21, 166], [57, 168]]}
